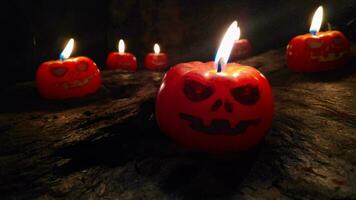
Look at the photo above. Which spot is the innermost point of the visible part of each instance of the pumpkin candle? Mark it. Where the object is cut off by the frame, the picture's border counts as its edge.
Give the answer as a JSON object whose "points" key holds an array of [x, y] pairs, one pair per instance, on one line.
{"points": [[156, 60], [317, 51], [121, 60], [215, 106], [242, 49], [67, 77]]}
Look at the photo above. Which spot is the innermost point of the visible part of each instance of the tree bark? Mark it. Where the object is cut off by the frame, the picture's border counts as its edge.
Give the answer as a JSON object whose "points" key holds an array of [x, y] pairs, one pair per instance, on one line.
{"points": [[108, 144]]}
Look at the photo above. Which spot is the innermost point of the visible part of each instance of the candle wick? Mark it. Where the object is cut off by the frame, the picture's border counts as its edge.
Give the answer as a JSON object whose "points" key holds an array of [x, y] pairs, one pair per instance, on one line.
{"points": [[220, 64], [219, 67], [313, 32], [61, 57]]}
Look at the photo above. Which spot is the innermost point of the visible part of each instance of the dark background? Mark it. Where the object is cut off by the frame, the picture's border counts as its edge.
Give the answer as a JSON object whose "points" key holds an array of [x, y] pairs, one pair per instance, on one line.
{"points": [[36, 31]]}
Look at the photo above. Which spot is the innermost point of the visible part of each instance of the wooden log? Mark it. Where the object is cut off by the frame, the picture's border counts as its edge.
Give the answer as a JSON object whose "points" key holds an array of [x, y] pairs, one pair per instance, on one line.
{"points": [[108, 145]]}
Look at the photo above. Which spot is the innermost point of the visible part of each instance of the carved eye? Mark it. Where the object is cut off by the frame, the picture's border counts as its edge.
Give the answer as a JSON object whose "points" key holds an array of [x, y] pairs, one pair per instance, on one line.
{"points": [[82, 66], [246, 95], [59, 71], [196, 91], [314, 44], [337, 40]]}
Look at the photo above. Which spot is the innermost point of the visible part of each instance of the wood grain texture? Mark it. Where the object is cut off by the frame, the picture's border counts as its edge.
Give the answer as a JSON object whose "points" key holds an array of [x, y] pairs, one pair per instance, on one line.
{"points": [[109, 146]]}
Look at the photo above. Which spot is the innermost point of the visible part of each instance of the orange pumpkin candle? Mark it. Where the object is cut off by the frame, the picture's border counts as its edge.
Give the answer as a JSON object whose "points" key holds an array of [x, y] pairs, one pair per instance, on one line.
{"points": [[215, 106], [121, 60], [317, 51], [156, 60], [67, 77]]}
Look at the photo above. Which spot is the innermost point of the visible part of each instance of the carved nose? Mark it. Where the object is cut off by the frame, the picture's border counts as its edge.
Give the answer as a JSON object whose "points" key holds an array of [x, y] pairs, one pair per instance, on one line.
{"points": [[218, 103], [228, 106]]}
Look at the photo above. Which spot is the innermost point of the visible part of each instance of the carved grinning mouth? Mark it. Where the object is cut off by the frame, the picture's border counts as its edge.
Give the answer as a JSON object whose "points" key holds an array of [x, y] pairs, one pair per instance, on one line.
{"points": [[218, 126], [329, 57], [77, 83]]}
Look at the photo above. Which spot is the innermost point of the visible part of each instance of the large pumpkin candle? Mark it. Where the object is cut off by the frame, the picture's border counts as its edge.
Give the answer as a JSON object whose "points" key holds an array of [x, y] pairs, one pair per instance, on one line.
{"points": [[215, 106], [121, 59], [67, 77], [317, 51]]}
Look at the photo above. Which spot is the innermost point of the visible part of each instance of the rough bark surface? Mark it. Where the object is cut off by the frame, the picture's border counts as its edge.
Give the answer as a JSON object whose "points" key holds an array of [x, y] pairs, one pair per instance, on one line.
{"points": [[108, 146]]}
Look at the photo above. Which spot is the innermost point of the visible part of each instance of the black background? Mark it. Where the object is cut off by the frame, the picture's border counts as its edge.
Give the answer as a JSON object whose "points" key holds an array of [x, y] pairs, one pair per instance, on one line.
{"points": [[36, 31]]}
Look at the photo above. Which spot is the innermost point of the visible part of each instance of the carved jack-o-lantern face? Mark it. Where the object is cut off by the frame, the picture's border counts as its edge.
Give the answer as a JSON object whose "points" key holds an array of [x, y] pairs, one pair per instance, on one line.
{"points": [[325, 51], [74, 77], [215, 112]]}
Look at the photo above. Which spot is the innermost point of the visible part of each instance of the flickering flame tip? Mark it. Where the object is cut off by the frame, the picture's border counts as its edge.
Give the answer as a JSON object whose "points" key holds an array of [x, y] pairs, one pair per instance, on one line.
{"points": [[121, 46], [156, 49], [226, 45], [67, 51], [317, 21]]}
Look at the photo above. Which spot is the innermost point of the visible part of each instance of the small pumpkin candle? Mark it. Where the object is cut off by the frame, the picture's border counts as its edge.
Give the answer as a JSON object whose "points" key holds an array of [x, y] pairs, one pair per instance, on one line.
{"points": [[67, 77], [215, 106], [242, 49], [156, 60], [121, 60], [317, 51]]}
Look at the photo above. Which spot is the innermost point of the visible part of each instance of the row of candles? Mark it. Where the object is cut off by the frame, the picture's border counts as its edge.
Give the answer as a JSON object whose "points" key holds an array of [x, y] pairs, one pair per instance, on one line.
{"points": [[127, 61], [214, 106], [124, 60], [71, 77]]}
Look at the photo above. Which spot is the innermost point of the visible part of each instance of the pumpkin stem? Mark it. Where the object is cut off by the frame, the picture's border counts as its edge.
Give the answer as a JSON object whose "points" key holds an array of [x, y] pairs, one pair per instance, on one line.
{"points": [[329, 26]]}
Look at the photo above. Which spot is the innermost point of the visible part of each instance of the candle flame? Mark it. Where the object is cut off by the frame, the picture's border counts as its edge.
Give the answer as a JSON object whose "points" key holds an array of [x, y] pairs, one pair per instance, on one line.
{"points": [[317, 20], [121, 46], [156, 48], [67, 50], [223, 54]]}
